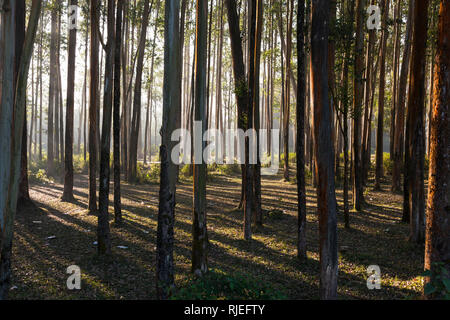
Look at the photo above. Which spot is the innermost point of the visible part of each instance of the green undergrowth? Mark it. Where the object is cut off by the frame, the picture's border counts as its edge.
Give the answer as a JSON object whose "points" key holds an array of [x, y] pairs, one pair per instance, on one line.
{"points": [[220, 285]]}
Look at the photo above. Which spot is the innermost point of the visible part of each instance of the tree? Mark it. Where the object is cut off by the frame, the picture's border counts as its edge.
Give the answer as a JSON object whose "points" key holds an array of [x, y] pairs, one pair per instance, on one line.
{"points": [[256, 110], [52, 89], [396, 62], [24, 195], [199, 230], [93, 106], [116, 113], [358, 88], [287, 91], [300, 148], [12, 115], [245, 119], [437, 243], [415, 139], [345, 102], [380, 128], [68, 156], [136, 120], [324, 157], [103, 234], [168, 177], [400, 110]]}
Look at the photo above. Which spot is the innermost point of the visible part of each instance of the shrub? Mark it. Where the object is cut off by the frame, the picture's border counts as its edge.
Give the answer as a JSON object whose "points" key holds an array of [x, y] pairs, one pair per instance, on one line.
{"points": [[185, 171], [292, 158], [147, 174], [439, 286], [388, 164], [308, 173], [224, 169], [79, 165], [39, 177], [219, 285]]}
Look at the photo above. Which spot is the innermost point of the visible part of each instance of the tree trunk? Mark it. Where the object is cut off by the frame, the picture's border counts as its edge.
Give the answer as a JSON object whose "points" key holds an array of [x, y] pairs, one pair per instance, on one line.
{"points": [[93, 106], [358, 88], [243, 105], [380, 128], [396, 62], [51, 94], [256, 110], [400, 111], [437, 243], [103, 234], [415, 137], [116, 113], [199, 230], [300, 117], [12, 115], [326, 199], [136, 120], [68, 157], [168, 178]]}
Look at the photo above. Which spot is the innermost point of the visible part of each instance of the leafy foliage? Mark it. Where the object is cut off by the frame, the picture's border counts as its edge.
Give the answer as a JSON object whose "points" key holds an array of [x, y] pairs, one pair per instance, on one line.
{"points": [[439, 284], [147, 174], [388, 164], [218, 285]]}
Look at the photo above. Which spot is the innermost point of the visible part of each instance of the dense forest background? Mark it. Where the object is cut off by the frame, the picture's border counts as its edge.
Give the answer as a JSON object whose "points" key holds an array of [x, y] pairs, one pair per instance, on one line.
{"points": [[357, 89]]}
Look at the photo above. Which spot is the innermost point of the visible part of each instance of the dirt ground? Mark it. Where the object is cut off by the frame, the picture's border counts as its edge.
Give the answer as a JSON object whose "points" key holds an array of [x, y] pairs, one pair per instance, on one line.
{"points": [[55, 235]]}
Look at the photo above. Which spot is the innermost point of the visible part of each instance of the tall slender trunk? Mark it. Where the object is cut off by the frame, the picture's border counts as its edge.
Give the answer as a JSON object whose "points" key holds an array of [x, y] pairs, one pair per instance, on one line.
{"points": [[400, 110], [68, 157], [51, 94], [300, 148], [243, 106], [396, 62], [326, 199], [103, 233], [199, 230], [380, 127], [136, 119], [358, 88], [40, 89], [24, 196], [12, 115], [437, 243], [415, 138], [256, 111], [93, 106], [168, 177], [116, 113]]}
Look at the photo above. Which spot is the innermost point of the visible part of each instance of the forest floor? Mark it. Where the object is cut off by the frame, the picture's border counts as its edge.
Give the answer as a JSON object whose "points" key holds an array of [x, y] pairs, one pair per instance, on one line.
{"points": [[55, 235]]}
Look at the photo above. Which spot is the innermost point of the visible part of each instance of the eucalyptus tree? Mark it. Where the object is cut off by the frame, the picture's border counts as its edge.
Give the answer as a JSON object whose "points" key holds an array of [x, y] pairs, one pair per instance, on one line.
{"points": [[93, 105], [116, 112], [244, 109], [68, 156], [103, 233], [168, 175], [415, 137], [437, 243], [324, 156], [300, 117], [358, 91], [136, 117], [199, 229], [12, 115]]}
